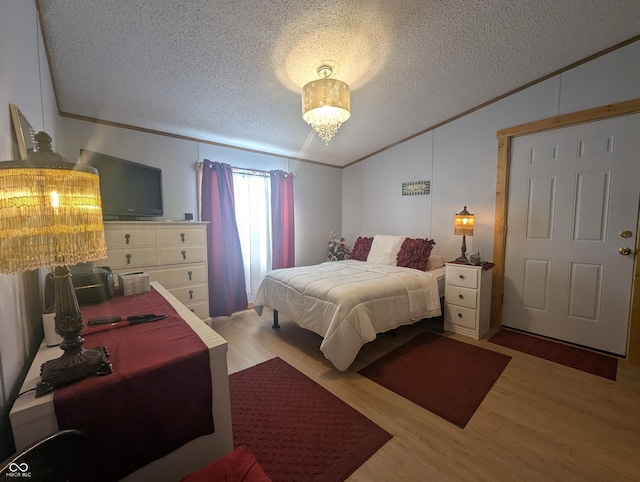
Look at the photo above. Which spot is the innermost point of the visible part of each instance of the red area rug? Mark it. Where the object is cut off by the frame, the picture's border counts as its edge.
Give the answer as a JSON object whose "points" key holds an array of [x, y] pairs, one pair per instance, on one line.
{"points": [[571, 356], [447, 377], [297, 430]]}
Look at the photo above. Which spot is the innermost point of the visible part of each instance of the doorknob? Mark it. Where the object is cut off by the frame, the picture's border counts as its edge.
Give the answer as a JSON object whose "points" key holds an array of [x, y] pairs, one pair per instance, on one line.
{"points": [[624, 251]]}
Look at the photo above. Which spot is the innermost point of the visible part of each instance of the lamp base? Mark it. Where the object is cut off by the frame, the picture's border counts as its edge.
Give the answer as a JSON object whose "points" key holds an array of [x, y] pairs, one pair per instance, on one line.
{"points": [[72, 366], [462, 259]]}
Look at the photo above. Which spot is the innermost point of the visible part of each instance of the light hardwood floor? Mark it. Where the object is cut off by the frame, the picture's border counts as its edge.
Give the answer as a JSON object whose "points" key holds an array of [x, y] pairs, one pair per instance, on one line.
{"points": [[540, 422]]}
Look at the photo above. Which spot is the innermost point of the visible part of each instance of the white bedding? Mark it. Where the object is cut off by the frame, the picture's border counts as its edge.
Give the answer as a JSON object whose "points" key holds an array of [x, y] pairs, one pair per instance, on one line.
{"points": [[349, 302]]}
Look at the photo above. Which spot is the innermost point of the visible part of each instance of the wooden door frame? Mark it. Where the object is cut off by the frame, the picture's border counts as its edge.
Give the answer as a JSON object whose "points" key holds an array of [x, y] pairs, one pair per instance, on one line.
{"points": [[502, 188]]}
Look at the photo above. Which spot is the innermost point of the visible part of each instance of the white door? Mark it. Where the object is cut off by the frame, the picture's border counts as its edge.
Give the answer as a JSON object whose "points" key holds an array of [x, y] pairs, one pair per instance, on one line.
{"points": [[572, 211]]}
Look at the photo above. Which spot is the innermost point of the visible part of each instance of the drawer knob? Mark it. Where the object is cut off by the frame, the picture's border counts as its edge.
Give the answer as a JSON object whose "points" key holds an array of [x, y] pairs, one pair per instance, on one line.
{"points": [[459, 315], [126, 238], [190, 294], [182, 236], [128, 256], [184, 254], [190, 273], [461, 276], [461, 296]]}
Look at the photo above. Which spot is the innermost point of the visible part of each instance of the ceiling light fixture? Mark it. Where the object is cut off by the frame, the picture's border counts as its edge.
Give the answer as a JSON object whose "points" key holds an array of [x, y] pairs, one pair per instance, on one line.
{"points": [[326, 103]]}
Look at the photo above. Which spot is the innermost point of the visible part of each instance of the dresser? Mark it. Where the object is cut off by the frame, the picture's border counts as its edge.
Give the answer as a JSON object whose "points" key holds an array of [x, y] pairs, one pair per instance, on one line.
{"points": [[172, 253], [467, 297]]}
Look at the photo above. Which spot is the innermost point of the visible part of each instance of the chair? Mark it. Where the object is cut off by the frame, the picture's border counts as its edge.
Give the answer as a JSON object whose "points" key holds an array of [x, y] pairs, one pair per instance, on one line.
{"points": [[51, 459]]}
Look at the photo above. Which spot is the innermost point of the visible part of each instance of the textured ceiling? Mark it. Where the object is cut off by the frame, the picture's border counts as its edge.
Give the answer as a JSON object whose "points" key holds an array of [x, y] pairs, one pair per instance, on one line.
{"points": [[231, 71]]}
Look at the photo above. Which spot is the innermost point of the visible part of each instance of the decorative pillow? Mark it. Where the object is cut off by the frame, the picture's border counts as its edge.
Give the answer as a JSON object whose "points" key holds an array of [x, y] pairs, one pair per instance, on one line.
{"points": [[240, 465], [435, 261], [384, 249], [414, 253], [361, 248]]}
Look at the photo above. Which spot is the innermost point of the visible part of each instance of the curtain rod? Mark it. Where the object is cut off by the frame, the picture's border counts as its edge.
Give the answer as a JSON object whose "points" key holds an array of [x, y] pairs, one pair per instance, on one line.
{"points": [[248, 172]]}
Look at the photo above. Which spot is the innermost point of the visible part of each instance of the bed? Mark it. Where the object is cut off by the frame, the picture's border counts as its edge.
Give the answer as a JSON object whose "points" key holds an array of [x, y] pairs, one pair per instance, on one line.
{"points": [[349, 302]]}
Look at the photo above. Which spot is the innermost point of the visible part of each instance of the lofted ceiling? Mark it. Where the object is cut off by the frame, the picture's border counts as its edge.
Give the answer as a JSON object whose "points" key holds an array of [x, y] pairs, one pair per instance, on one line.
{"points": [[231, 71]]}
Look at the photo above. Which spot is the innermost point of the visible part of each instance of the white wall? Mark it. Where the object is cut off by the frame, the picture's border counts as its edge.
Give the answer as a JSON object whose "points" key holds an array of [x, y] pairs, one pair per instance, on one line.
{"points": [[460, 158], [317, 189], [25, 81]]}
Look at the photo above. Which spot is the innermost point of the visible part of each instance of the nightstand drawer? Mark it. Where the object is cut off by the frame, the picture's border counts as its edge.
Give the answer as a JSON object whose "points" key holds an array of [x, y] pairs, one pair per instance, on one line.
{"points": [[459, 296], [461, 276], [458, 315]]}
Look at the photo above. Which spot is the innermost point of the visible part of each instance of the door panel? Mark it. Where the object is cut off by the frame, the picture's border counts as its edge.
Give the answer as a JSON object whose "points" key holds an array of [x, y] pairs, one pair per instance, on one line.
{"points": [[572, 192]]}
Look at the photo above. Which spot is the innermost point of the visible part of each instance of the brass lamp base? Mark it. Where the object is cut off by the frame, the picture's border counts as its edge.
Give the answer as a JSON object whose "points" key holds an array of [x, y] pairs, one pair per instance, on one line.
{"points": [[71, 367], [463, 256]]}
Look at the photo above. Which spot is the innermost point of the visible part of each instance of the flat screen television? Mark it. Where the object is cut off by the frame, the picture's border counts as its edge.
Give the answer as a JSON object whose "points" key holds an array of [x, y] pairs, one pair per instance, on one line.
{"points": [[129, 190]]}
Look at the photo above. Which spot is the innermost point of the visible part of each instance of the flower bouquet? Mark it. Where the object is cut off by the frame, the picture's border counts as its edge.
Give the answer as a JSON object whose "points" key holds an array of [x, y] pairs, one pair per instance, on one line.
{"points": [[337, 248]]}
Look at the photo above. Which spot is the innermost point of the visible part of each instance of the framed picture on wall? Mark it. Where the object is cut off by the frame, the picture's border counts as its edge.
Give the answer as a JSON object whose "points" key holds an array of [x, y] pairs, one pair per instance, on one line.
{"points": [[24, 133]]}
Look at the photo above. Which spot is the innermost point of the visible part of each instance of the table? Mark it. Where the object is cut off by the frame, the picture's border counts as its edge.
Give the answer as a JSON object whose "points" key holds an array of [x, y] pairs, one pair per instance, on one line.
{"points": [[33, 418]]}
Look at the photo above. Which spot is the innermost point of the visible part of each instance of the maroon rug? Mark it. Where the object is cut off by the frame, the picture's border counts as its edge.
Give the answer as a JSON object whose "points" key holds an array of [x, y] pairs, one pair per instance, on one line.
{"points": [[571, 356], [297, 430], [447, 377]]}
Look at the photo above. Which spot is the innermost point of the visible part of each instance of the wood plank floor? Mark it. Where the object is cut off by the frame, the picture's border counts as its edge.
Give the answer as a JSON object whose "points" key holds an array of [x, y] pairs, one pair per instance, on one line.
{"points": [[540, 422]]}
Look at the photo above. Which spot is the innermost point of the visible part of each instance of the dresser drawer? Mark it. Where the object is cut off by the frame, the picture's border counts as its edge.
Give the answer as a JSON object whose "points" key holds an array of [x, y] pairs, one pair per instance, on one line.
{"points": [[179, 236], [118, 259], [190, 294], [181, 254], [121, 238], [461, 316], [200, 309], [182, 275], [457, 295], [460, 276]]}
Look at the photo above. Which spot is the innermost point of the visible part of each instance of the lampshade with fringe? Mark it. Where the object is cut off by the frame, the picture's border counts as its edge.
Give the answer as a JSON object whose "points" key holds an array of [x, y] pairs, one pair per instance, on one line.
{"points": [[51, 216]]}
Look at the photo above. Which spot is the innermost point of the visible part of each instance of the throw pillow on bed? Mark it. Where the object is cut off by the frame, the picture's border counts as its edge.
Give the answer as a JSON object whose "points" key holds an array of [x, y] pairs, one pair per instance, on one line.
{"points": [[361, 248], [384, 249], [414, 253]]}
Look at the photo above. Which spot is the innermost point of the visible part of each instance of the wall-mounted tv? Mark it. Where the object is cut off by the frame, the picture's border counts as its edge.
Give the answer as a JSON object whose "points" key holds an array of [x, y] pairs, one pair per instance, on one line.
{"points": [[129, 190]]}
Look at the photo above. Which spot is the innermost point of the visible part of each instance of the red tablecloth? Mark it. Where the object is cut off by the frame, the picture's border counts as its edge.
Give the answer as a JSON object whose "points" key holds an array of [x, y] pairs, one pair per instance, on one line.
{"points": [[157, 398]]}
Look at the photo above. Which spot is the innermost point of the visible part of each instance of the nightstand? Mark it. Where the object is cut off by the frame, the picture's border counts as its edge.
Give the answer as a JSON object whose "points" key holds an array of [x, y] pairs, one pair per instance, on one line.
{"points": [[467, 298]]}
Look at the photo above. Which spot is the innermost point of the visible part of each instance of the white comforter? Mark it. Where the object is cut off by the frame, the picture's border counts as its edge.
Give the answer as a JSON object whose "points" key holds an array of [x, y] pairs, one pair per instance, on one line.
{"points": [[348, 302]]}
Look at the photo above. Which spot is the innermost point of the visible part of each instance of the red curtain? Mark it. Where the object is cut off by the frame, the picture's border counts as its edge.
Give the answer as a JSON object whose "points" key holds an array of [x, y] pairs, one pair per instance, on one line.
{"points": [[227, 290], [282, 228]]}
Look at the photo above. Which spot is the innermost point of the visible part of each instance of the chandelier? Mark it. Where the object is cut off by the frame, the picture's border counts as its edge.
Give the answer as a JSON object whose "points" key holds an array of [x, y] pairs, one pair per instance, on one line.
{"points": [[326, 104]]}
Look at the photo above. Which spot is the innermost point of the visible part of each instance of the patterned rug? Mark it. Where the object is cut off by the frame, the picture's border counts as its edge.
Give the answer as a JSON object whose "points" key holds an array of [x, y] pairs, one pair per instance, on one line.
{"points": [[571, 356], [297, 430], [447, 377]]}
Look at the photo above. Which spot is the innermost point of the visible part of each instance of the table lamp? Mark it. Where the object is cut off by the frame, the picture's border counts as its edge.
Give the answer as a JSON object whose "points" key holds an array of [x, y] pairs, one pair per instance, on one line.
{"points": [[463, 226], [51, 216]]}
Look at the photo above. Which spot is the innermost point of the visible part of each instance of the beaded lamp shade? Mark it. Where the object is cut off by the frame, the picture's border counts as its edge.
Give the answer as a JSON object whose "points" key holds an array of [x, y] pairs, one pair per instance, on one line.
{"points": [[51, 216], [463, 226], [463, 223], [326, 104], [50, 212]]}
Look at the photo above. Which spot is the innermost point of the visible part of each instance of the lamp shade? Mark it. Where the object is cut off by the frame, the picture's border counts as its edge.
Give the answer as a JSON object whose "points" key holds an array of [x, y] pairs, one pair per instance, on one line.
{"points": [[326, 104], [463, 223], [50, 212]]}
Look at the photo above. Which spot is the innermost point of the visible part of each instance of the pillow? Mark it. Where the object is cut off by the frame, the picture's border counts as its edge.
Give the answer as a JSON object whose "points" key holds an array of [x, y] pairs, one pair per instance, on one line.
{"points": [[435, 261], [239, 465], [361, 248], [384, 249], [414, 253]]}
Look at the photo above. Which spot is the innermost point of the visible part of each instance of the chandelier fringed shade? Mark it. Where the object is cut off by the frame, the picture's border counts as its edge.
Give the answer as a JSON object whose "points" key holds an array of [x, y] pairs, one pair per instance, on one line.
{"points": [[50, 214], [326, 104]]}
